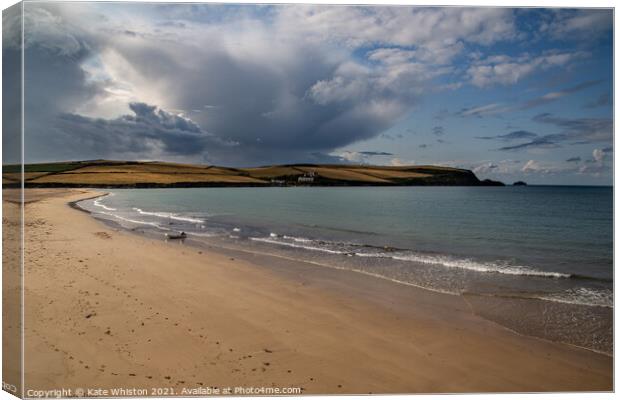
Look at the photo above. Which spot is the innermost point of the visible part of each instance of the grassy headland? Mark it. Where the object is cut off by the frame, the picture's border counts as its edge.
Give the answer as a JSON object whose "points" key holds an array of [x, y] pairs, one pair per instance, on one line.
{"points": [[105, 173]]}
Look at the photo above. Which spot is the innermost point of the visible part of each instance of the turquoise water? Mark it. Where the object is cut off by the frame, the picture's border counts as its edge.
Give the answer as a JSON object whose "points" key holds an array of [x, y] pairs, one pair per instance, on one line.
{"points": [[540, 243]]}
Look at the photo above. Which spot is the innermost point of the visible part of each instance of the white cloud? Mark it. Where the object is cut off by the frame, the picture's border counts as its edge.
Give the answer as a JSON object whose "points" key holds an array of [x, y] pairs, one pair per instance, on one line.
{"points": [[433, 38], [496, 168], [487, 109], [434, 54], [598, 164], [546, 167], [360, 26], [534, 166], [485, 168], [352, 156], [350, 81], [391, 56], [505, 70], [598, 155], [399, 162], [601, 155], [586, 23]]}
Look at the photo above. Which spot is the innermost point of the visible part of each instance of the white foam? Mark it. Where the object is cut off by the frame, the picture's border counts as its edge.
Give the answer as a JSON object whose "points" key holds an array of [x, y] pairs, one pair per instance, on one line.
{"points": [[98, 204], [472, 265], [203, 234], [170, 216], [323, 249], [332, 266], [582, 296], [297, 239], [134, 221], [441, 260]]}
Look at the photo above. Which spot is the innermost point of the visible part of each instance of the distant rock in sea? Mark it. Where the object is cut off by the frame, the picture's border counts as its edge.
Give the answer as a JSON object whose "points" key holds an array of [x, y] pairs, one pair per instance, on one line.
{"points": [[519, 183]]}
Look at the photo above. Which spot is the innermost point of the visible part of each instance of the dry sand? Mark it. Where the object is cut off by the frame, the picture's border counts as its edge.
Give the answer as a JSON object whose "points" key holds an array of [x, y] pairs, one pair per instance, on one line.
{"points": [[106, 308]]}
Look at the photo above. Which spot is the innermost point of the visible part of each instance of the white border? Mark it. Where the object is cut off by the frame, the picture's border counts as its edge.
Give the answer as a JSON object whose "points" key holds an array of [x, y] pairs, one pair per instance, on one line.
{"points": [[484, 3]]}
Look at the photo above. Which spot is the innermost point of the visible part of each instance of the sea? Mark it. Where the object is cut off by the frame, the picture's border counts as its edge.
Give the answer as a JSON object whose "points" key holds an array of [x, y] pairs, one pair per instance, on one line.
{"points": [[537, 260]]}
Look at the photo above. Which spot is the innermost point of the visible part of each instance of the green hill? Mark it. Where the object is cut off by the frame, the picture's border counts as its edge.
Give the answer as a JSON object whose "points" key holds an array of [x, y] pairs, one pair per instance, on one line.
{"points": [[104, 173]]}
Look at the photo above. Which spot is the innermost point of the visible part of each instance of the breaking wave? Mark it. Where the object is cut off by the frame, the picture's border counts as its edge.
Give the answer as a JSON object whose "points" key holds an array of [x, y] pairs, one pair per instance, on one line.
{"points": [[169, 215], [98, 204], [407, 255]]}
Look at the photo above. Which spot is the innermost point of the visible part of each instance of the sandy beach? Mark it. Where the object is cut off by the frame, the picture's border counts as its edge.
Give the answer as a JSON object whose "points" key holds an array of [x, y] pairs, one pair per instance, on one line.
{"points": [[105, 308]]}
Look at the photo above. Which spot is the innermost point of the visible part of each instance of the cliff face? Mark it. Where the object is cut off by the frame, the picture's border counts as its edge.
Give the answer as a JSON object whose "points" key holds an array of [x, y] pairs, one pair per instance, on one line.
{"points": [[102, 173]]}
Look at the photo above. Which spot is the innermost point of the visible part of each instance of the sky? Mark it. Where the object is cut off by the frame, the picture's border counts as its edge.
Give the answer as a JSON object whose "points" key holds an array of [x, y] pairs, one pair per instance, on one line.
{"points": [[510, 93]]}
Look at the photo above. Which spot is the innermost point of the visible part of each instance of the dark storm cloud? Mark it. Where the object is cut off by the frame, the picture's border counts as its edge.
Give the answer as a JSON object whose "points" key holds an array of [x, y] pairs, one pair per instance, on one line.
{"points": [[266, 102], [516, 135], [149, 115], [553, 96], [496, 108], [149, 130], [255, 101], [375, 153], [547, 141], [54, 80], [572, 131], [272, 84], [579, 130], [11, 85]]}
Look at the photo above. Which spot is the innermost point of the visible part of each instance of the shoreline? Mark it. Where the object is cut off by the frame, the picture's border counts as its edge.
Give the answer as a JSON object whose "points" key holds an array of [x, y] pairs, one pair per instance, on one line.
{"points": [[75, 206], [409, 332], [237, 251], [201, 243]]}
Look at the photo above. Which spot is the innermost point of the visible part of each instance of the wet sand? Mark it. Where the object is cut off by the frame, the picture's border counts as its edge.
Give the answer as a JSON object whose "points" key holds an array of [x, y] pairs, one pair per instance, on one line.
{"points": [[107, 308]]}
